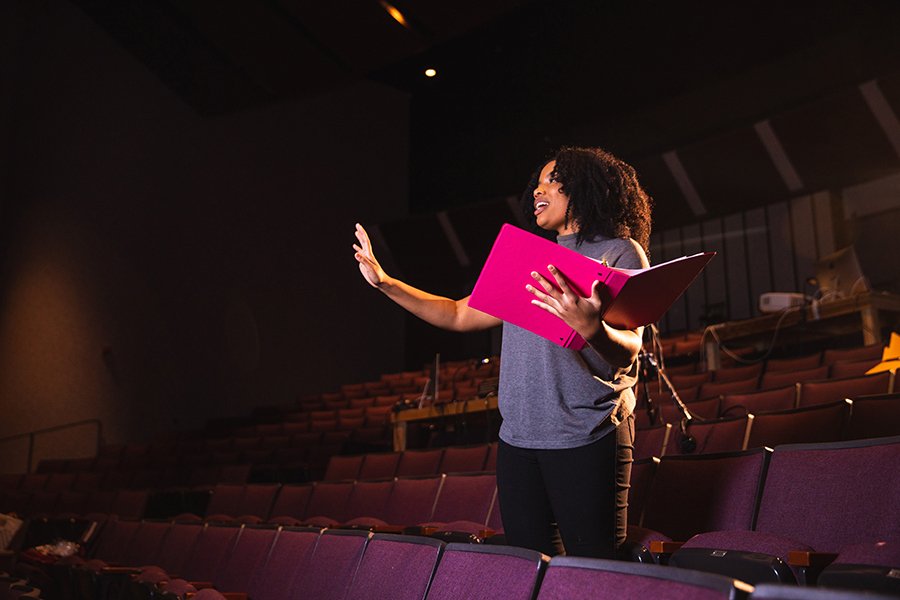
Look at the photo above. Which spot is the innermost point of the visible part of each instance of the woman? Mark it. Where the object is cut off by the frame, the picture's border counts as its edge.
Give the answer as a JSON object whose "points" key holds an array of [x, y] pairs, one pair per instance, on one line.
{"points": [[567, 434]]}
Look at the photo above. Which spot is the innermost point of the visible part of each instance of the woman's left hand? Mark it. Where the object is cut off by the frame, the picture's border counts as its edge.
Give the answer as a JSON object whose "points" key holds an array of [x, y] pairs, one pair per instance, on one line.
{"points": [[579, 313]]}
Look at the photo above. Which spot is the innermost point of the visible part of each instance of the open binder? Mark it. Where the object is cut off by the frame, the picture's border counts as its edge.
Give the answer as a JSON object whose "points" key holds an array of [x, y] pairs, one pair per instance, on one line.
{"points": [[631, 297]]}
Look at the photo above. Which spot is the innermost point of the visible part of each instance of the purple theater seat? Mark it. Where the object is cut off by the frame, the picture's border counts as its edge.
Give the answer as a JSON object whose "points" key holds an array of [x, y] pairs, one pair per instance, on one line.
{"points": [[328, 503], [575, 577], [224, 504], [482, 572], [490, 463], [832, 390], [130, 504], [290, 551], [411, 502], [651, 441], [379, 465], [718, 435], [702, 409], [369, 499], [209, 551], [396, 567], [796, 363], [741, 386], [420, 463], [816, 497], [689, 380], [145, 544], [810, 424], [115, 539], [778, 379], [874, 416], [851, 368], [642, 471], [873, 352], [784, 398], [866, 566], [464, 459], [706, 492], [464, 502], [248, 555], [257, 500], [291, 501], [330, 570], [743, 372], [343, 467], [776, 591]]}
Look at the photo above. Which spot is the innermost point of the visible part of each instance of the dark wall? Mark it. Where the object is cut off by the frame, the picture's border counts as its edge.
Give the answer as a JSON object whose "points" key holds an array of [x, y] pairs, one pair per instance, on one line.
{"points": [[160, 267]]}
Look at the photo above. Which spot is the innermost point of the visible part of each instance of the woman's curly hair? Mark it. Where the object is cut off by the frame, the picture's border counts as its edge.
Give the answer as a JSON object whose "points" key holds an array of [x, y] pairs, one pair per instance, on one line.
{"points": [[604, 195]]}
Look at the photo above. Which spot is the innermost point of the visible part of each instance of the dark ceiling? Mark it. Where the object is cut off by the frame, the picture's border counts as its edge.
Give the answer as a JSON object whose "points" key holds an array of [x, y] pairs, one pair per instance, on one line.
{"points": [[517, 78]]}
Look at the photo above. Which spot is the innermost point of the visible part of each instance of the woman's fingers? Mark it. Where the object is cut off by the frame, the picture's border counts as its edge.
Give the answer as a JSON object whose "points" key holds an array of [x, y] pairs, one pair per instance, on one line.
{"points": [[561, 280]]}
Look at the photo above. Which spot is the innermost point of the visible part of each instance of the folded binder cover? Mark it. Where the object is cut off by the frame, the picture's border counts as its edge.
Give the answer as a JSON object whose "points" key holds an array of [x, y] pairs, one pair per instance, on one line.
{"points": [[631, 297]]}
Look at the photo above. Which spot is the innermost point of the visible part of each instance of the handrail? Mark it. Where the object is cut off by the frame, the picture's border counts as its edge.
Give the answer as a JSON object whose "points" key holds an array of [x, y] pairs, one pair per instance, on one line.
{"points": [[32, 434]]}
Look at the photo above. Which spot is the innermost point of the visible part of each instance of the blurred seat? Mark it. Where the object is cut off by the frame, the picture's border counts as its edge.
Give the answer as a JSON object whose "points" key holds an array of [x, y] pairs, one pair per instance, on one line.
{"points": [[396, 567], [795, 363], [755, 402], [718, 435], [463, 459], [699, 493], [575, 577], [809, 424], [417, 463], [777, 379], [831, 390], [483, 572], [651, 441], [807, 507], [877, 415], [330, 569]]}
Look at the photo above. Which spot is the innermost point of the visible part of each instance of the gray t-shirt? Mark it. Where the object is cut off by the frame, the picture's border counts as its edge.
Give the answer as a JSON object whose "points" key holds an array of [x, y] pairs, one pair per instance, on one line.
{"points": [[549, 397]]}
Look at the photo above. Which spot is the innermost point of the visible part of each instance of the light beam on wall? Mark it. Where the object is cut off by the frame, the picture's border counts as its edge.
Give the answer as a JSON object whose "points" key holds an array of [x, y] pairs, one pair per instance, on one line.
{"points": [[684, 183]]}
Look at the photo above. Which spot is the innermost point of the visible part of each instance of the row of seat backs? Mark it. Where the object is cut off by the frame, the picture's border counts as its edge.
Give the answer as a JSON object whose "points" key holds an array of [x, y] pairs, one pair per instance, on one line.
{"points": [[824, 496], [271, 564], [794, 390], [830, 357], [448, 498], [863, 417], [412, 463]]}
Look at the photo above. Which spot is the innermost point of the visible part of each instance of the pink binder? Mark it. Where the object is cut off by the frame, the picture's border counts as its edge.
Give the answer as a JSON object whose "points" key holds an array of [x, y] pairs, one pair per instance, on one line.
{"points": [[631, 297]]}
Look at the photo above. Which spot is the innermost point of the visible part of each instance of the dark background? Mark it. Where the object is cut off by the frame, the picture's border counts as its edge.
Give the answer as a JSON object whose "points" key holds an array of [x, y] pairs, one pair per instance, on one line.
{"points": [[180, 178]]}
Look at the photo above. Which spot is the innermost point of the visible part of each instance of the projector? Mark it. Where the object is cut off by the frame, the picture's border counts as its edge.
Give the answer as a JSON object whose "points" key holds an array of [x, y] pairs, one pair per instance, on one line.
{"points": [[772, 302]]}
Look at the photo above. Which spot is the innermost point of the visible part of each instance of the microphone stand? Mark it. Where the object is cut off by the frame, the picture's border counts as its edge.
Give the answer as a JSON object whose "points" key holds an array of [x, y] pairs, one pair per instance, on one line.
{"points": [[688, 442], [645, 357]]}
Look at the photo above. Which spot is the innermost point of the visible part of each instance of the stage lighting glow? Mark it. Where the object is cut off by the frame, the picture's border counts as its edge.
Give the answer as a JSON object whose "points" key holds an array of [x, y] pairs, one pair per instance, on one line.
{"points": [[430, 72], [395, 13]]}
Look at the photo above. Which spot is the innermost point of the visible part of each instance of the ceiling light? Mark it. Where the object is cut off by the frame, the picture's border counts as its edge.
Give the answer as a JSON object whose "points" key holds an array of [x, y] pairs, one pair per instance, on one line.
{"points": [[395, 13], [430, 72]]}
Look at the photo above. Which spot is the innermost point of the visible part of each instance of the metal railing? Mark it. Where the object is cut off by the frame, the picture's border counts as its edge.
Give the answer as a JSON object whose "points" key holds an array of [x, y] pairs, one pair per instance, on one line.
{"points": [[32, 436]]}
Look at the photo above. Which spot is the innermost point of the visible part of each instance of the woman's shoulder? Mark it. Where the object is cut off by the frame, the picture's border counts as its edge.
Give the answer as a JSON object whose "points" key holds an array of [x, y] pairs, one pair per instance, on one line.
{"points": [[624, 253]]}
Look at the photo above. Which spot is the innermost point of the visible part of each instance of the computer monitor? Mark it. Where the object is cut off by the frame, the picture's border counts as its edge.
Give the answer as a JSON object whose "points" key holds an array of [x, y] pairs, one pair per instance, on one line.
{"points": [[840, 275]]}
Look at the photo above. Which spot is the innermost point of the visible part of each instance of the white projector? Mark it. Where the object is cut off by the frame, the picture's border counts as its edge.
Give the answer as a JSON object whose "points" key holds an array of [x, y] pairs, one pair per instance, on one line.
{"points": [[772, 302]]}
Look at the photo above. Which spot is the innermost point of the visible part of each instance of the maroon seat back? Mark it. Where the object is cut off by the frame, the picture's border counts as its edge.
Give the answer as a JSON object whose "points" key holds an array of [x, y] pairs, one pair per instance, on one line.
{"points": [[810, 424], [850, 487], [831, 390], [706, 492], [396, 567]]}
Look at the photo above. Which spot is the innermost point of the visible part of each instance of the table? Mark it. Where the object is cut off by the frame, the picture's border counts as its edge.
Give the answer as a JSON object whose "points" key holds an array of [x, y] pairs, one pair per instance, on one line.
{"points": [[400, 420], [868, 312]]}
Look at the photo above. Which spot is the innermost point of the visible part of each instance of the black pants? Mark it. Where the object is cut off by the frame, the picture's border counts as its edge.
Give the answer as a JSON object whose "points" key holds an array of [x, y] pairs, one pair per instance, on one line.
{"points": [[583, 490]]}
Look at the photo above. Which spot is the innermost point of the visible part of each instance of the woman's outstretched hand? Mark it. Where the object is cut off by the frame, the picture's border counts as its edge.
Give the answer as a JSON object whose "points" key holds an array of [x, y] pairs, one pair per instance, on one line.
{"points": [[579, 313], [368, 265]]}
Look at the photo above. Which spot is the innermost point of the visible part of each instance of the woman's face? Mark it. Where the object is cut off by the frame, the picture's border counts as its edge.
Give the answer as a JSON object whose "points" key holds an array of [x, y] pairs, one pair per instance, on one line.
{"points": [[550, 203]]}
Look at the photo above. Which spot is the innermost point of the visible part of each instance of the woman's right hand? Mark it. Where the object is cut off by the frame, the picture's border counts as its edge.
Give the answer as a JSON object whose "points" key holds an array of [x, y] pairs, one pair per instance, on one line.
{"points": [[368, 265]]}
